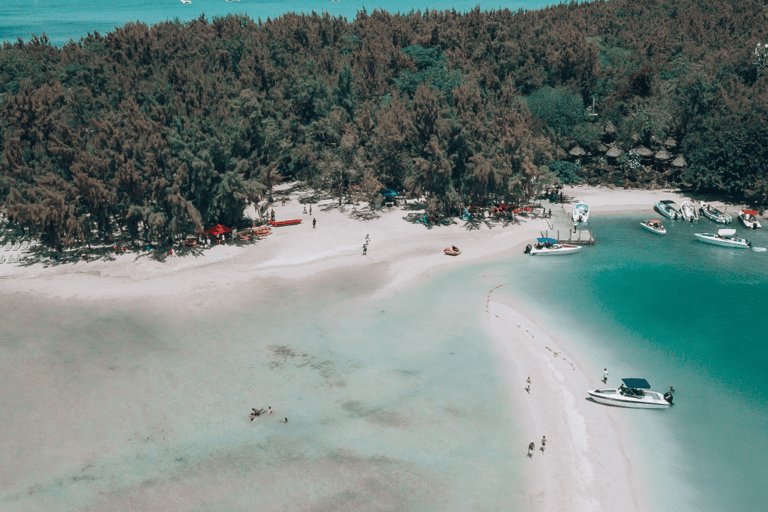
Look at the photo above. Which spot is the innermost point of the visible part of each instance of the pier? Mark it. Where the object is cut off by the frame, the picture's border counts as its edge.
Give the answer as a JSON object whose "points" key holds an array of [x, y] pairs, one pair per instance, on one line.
{"points": [[587, 239]]}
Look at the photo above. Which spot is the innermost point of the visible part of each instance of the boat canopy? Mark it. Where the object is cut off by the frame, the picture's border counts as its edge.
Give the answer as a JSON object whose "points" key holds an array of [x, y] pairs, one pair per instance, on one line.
{"points": [[636, 383], [667, 201], [726, 232], [654, 220], [750, 212], [546, 240]]}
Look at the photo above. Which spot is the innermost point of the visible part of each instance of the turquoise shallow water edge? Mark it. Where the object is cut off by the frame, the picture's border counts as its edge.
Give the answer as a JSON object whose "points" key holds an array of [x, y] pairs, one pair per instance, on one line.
{"points": [[63, 20]]}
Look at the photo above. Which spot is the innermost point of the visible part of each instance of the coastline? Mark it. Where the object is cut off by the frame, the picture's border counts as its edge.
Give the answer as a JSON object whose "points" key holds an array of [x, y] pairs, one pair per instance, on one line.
{"points": [[586, 443]]}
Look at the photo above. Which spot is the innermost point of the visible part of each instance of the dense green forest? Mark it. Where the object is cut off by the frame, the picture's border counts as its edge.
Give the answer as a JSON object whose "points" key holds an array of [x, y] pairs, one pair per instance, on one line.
{"points": [[158, 131]]}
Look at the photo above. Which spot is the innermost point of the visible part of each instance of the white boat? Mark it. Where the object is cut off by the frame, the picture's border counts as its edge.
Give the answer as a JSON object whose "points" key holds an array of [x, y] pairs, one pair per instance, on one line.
{"points": [[688, 211], [749, 219], [669, 209], [654, 226], [725, 238], [714, 214], [186, 1], [580, 213], [550, 247], [632, 393]]}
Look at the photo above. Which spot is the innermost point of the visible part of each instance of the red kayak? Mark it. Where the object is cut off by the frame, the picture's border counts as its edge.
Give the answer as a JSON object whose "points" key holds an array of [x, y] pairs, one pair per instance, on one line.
{"points": [[285, 223]]}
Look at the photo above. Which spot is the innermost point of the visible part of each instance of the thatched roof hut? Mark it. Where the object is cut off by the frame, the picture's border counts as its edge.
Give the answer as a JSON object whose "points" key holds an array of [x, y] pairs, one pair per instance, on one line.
{"points": [[610, 128], [679, 162], [614, 152], [643, 151], [602, 148], [577, 151], [670, 143], [663, 155]]}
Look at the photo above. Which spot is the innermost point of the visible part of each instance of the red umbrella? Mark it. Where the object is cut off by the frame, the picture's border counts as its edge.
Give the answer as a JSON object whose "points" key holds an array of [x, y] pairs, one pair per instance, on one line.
{"points": [[218, 229]]}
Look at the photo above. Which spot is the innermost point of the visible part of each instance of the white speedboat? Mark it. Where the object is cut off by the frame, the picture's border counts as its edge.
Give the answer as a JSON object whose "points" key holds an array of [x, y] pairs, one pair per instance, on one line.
{"points": [[688, 211], [714, 214], [186, 1], [550, 247], [669, 209], [654, 226], [580, 213], [749, 219], [725, 238], [632, 393]]}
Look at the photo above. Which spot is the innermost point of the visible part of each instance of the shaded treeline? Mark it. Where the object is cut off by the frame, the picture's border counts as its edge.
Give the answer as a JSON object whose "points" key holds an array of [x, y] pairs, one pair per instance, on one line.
{"points": [[157, 131]]}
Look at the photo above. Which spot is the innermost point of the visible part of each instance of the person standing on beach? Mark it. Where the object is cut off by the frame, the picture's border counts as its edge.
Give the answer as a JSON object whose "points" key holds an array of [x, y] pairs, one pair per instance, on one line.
{"points": [[365, 249], [531, 448], [314, 223], [310, 209], [605, 375], [543, 443], [367, 239], [528, 384]]}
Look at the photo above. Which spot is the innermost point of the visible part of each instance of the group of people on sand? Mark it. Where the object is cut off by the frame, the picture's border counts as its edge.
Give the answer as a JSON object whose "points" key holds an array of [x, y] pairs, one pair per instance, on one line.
{"points": [[532, 446], [255, 413]]}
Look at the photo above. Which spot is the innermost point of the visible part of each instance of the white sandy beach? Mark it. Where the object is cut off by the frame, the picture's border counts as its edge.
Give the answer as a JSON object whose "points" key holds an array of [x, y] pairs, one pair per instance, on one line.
{"points": [[588, 463]]}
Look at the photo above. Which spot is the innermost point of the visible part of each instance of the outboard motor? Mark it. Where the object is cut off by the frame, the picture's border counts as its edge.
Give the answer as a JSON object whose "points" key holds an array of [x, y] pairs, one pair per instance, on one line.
{"points": [[668, 397], [528, 249], [749, 244]]}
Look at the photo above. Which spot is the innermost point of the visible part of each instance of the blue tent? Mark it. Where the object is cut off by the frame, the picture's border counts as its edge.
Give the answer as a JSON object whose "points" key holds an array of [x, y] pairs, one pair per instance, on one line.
{"points": [[389, 193]]}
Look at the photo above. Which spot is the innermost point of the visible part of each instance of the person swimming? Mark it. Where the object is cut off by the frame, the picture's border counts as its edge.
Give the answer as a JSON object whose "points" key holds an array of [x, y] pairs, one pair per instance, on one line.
{"points": [[285, 420], [270, 412], [255, 413]]}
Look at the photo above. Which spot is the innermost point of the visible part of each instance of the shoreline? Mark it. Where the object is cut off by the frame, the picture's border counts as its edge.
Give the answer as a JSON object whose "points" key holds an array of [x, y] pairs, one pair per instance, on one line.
{"points": [[406, 252]]}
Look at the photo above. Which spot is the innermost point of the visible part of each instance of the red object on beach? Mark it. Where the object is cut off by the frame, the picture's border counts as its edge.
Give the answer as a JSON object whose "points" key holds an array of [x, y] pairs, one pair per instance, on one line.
{"points": [[450, 252], [750, 212], [285, 222], [217, 230]]}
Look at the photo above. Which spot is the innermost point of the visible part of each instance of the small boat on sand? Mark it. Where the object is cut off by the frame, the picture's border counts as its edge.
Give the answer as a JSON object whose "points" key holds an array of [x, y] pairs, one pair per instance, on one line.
{"points": [[452, 251], [688, 211], [714, 214], [632, 393], [580, 213], [724, 238], [749, 219], [285, 222], [669, 209], [654, 226], [550, 247]]}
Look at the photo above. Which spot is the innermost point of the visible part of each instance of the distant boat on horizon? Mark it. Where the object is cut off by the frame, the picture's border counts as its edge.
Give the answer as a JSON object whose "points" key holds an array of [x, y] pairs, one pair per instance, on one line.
{"points": [[186, 1]]}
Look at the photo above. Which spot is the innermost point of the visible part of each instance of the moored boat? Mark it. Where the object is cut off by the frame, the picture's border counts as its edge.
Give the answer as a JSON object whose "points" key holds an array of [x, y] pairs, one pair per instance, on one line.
{"points": [[714, 214], [654, 226], [550, 247], [688, 211], [669, 209], [632, 393], [580, 213], [749, 219], [725, 238]]}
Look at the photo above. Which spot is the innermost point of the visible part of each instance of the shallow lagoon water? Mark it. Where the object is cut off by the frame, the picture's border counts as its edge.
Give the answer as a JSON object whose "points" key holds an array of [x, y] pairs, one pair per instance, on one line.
{"points": [[677, 312], [393, 404]]}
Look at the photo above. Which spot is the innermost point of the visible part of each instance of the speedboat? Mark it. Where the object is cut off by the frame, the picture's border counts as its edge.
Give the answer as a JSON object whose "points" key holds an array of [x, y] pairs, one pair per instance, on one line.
{"points": [[714, 214], [749, 219], [186, 1], [550, 247], [669, 209], [725, 238], [688, 211], [580, 213], [632, 393], [654, 226]]}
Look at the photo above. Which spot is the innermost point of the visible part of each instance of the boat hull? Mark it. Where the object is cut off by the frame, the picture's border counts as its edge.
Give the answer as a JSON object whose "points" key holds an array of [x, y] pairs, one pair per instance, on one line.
{"points": [[622, 401], [711, 239], [668, 211], [716, 216], [750, 224], [566, 249]]}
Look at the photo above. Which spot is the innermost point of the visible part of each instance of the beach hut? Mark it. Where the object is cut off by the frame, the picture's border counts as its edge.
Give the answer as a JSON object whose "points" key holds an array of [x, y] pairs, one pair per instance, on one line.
{"points": [[614, 152], [218, 231], [679, 162], [644, 152], [577, 151], [663, 155], [610, 129], [670, 143]]}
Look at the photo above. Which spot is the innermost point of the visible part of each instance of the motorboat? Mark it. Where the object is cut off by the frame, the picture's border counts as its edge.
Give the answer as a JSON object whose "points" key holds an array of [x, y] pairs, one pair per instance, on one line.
{"points": [[654, 226], [725, 238], [669, 209], [550, 247], [452, 251], [632, 393], [186, 1], [580, 213], [714, 214], [688, 211], [749, 219]]}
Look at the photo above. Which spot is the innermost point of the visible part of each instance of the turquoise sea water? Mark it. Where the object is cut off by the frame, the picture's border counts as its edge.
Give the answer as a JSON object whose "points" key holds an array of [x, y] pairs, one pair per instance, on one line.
{"points": [[62, 20], [677, 312]]}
